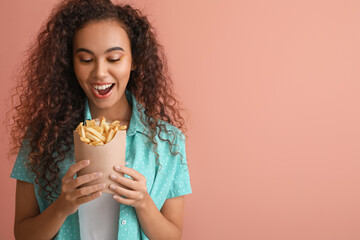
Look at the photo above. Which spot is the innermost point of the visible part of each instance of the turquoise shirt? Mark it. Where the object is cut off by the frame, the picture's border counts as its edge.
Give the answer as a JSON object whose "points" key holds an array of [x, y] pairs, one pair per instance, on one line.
{"points": [[168, 181]]}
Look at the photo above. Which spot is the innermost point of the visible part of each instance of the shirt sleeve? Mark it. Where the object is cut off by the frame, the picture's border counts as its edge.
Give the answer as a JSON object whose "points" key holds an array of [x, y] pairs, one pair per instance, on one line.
{"points": [[181, 182], [20, 171]]}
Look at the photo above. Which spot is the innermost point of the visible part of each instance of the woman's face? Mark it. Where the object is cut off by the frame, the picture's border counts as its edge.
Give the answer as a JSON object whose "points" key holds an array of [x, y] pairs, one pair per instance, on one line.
{"points": [[102, 63]]}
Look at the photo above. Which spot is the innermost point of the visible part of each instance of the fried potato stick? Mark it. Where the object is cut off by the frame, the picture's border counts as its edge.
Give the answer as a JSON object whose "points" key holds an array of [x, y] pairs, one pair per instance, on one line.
{"points": [[96, 133], [85, 139], [110, 136], [92, 137], [101, 134]]}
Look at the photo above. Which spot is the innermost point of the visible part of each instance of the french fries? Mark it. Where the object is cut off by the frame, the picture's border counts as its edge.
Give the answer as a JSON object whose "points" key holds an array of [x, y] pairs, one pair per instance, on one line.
{"points": [[101, 134]]}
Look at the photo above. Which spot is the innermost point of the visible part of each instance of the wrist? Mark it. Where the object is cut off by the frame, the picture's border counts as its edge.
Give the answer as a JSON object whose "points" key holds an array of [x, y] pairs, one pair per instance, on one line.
{"points": [[146, 203], [59, 210]]}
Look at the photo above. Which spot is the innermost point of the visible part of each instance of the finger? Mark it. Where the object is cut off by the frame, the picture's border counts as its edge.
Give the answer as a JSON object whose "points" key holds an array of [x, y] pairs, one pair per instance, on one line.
{"points": [[124, 181], [83, 191], [130, 194], [123, 200], [74, 183], [131, 172], [75, 168], [88, 198]]}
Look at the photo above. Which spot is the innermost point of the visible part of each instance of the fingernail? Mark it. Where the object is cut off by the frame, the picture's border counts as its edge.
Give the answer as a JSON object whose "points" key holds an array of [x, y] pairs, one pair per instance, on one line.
{"points": [[115, 197], [98, 174], [112, 176], [117, 168], [102, 185], [86, 162], [112, 187]]}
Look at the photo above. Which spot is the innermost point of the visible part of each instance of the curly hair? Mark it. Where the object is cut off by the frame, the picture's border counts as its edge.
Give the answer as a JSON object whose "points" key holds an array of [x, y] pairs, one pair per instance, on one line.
{"points": [[50, 101]]}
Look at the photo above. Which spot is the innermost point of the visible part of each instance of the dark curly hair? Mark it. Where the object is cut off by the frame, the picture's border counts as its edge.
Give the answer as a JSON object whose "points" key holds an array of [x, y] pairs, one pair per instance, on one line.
{"points": [[50, 101]]}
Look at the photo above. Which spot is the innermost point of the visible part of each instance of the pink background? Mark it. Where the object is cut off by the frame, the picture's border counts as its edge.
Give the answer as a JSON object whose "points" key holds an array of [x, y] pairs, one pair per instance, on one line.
{"points": [[271, 91]]}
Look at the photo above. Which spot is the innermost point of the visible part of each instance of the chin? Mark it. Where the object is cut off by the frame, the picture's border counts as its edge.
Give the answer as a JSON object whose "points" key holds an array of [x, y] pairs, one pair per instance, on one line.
{"points": [[104, 105]]}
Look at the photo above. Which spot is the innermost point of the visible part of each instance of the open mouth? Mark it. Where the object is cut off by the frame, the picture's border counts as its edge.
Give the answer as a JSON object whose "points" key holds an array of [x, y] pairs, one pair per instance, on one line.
{"points": [[103, 89]]}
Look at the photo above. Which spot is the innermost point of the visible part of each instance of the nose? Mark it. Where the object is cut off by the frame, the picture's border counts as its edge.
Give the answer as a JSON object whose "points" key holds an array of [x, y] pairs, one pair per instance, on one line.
{"points": [[100, 70]]}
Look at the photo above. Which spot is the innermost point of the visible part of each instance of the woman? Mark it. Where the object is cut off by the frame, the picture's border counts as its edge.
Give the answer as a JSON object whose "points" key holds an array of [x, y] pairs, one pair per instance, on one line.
{"points": [[93, 59]]}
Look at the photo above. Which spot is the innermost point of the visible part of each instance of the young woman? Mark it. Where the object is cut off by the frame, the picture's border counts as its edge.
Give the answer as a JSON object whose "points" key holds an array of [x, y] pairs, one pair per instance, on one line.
{"points": [[93, 59]]}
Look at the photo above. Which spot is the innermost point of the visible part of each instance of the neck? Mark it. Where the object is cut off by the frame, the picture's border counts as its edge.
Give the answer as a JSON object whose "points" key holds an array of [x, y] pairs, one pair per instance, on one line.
{"points": [[120, 111]]}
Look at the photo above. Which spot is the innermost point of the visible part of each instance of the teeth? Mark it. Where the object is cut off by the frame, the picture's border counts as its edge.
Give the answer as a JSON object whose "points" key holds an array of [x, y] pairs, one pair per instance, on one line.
{"points": [[101, 87]]}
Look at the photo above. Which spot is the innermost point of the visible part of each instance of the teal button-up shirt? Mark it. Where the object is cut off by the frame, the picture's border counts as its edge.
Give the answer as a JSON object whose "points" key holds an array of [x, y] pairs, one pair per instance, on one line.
{"points": [[169, 180]]}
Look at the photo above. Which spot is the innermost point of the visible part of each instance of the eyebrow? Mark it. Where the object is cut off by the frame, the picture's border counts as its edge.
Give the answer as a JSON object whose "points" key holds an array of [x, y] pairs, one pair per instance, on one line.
{"points": [[107, 51]]}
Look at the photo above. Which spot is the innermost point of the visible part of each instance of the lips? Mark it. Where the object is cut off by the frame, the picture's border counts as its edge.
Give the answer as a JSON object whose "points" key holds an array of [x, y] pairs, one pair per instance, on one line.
{"points": [[102, 90]]}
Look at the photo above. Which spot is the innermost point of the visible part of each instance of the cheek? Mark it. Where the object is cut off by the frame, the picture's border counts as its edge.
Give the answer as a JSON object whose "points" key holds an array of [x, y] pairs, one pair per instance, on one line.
{"points": [[122, 72]]}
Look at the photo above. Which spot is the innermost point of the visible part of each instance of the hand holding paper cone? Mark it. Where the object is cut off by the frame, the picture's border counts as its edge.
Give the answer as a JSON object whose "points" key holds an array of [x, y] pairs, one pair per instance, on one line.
{"points": [[104, 144], [73, 190], [130, 191]]}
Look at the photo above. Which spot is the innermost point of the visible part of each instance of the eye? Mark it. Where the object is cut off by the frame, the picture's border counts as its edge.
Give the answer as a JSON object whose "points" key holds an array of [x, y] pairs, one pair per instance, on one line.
{"points": [[85, 60], [113, 60]]}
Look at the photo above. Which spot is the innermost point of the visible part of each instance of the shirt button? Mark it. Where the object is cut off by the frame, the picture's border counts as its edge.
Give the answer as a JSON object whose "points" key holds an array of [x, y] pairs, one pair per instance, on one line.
{"points": [[123, 222]]}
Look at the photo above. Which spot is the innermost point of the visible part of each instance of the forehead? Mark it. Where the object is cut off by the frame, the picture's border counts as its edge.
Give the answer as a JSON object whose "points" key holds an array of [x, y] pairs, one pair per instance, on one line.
{"points": [[101, 35]]}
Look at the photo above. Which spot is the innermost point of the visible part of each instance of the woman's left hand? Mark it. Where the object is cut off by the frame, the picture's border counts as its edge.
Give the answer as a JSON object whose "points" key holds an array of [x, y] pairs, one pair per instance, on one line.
{"points": [[133, 191]]}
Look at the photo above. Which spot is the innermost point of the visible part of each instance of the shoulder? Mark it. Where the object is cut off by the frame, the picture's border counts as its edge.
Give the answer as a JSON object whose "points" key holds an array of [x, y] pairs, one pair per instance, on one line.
{"points": [[21, 169], [167, 131], [170, 142], [139, 123]]}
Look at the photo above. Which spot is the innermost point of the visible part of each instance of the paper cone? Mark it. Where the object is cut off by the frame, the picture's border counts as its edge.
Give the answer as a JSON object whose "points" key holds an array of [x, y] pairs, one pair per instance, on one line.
{"points": [[102, 158]]}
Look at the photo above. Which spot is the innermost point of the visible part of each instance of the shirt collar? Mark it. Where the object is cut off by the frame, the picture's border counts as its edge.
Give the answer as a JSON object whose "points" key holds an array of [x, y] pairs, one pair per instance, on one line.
{"points": [[137, 112]]}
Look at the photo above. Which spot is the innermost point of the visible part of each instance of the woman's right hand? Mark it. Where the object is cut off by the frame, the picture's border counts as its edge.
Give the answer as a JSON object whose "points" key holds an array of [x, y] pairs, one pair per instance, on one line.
{"points": [[71, 197]]}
